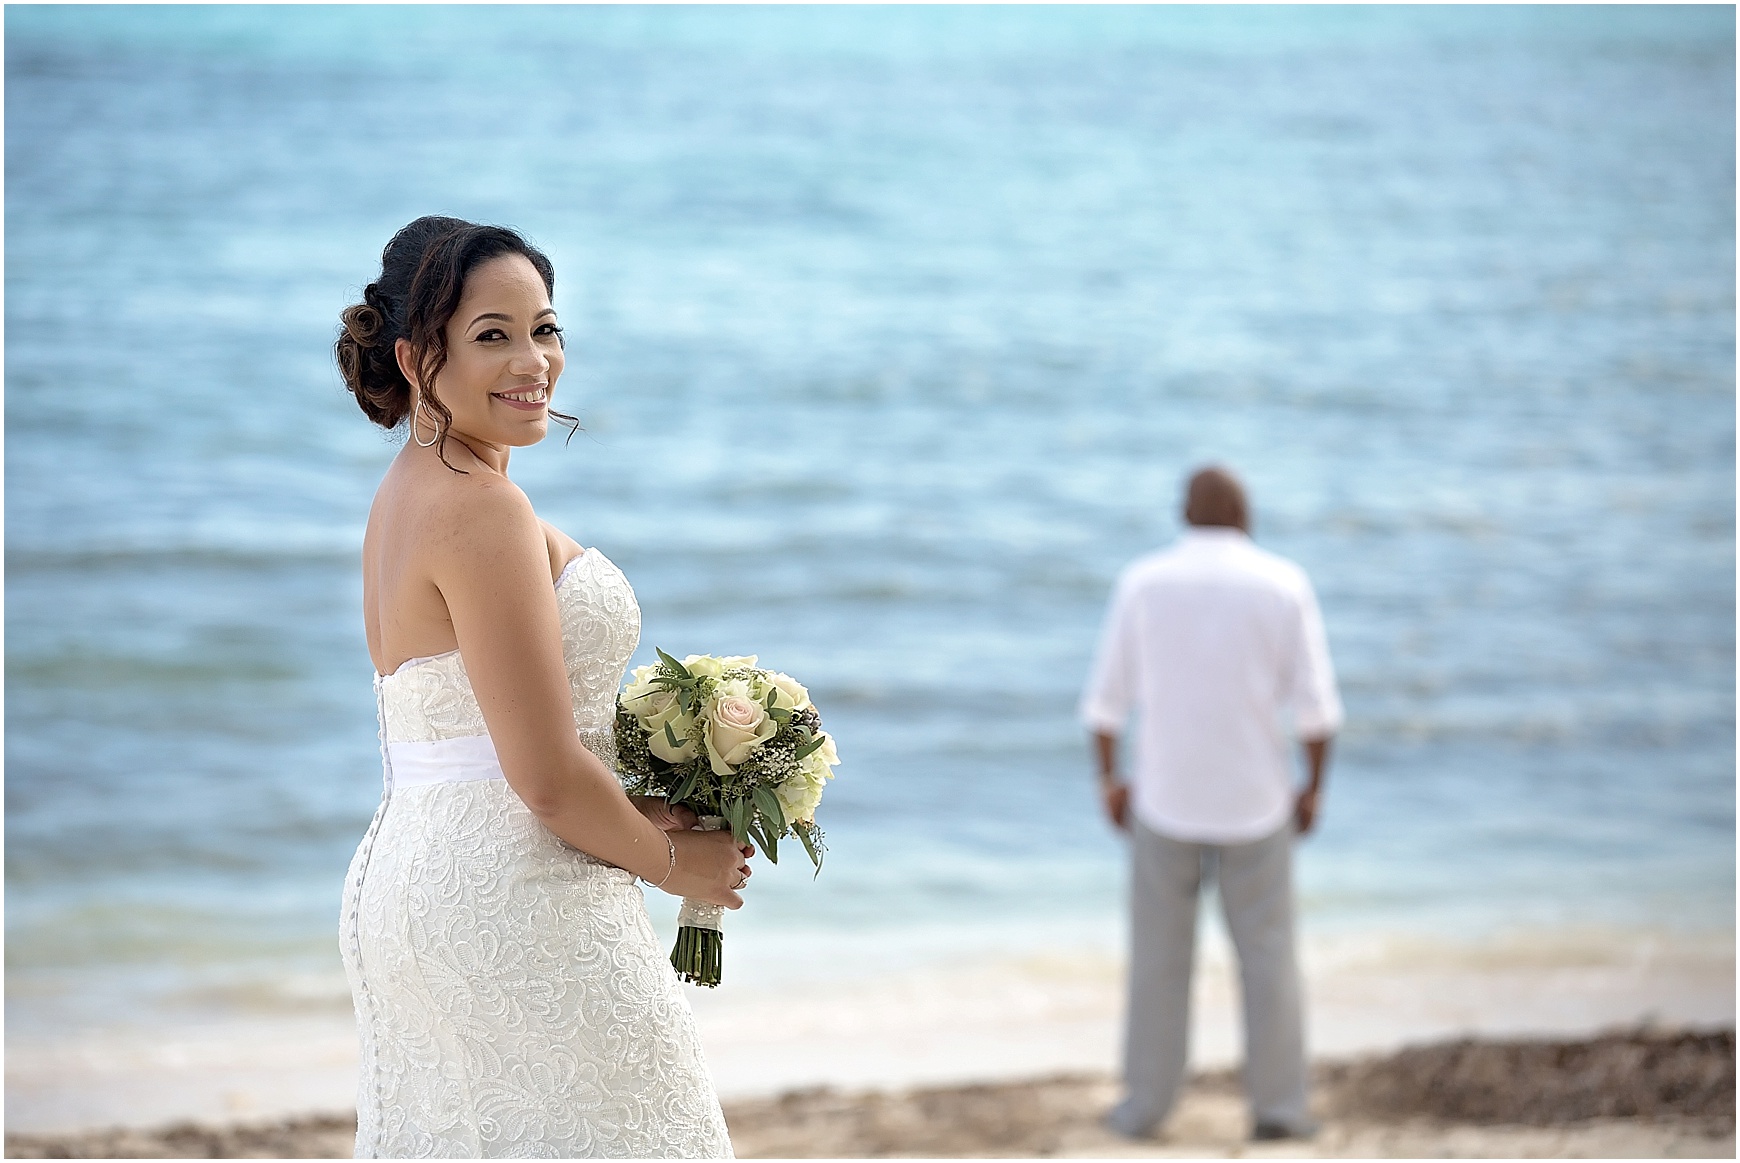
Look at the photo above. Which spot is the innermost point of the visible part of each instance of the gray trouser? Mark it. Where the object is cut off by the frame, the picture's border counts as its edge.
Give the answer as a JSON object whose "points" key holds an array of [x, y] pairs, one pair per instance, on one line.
{"points": [[1256, 892]]}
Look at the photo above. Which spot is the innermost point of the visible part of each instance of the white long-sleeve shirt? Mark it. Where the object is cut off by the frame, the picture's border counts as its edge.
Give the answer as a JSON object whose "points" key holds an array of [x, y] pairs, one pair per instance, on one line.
{"points": [[1214, 643]]}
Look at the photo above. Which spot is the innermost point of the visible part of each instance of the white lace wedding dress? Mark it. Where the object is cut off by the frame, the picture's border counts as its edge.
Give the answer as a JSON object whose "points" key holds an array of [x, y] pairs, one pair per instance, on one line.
{"points": [[511, 997]]}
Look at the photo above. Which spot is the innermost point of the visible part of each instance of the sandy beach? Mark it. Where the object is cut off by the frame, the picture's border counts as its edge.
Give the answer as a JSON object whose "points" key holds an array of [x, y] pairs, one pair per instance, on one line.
{"points": [[1638, 1093], [931, 1029]]}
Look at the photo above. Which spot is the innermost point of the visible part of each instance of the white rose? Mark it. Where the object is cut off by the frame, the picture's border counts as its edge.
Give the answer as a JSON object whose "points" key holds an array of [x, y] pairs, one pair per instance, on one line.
{"points": [[654, 707], [798, 797], [669, 713], [706, 666], [792, 696], [702, 666], [734, 725], [640, 689]]}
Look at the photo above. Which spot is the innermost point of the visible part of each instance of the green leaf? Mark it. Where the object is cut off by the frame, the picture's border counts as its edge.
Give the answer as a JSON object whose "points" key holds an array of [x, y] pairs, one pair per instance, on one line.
{"points": [[737, 815], [771, 696], [779, 715], [803, 751], [768, 841], [681, 670], [768, 805], [684, 787], [671, 738]]}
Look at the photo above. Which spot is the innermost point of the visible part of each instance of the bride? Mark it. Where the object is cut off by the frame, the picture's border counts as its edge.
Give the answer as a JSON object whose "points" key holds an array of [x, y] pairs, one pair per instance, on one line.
{"points": [[511, 997]]}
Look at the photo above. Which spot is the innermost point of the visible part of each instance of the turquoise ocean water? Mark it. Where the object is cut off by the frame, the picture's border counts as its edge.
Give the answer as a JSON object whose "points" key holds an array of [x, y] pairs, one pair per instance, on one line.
{"points": [[893, 332]]}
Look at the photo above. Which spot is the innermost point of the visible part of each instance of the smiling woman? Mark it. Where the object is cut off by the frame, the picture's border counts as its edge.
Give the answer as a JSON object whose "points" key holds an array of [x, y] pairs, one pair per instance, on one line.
{"points": [[446, 301], [510, 995]]}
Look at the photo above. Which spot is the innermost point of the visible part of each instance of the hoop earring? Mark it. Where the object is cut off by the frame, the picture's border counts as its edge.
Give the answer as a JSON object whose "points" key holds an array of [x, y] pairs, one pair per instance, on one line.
{"points": [[417, 412]]}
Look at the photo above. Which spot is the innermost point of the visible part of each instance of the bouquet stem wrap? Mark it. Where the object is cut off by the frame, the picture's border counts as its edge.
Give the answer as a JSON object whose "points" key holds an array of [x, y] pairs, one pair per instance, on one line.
{"points": [[698, 955]]}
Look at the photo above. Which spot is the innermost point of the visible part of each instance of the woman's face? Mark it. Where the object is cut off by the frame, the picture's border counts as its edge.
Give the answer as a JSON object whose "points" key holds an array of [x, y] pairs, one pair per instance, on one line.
{"points": [[504, 354]]}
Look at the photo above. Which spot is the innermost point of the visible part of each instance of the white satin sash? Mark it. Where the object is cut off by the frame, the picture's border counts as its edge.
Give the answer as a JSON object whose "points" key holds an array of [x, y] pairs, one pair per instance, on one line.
{"points": [[423, 763]]}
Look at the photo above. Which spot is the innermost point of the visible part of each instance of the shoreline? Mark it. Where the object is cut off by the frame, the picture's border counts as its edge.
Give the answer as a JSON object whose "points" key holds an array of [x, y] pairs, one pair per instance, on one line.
{"points": [[1000, 1019], [1636, 1092]]}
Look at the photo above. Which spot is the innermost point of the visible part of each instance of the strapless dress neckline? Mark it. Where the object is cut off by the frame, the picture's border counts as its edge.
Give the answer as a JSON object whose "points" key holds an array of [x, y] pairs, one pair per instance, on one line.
{"points": [[561, 577]]}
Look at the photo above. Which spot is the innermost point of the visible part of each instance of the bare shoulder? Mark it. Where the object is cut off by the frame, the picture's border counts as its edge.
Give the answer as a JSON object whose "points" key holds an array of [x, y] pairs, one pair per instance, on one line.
{"points": [[494, 520], [490, 514], [478, 523], [488, 496]]}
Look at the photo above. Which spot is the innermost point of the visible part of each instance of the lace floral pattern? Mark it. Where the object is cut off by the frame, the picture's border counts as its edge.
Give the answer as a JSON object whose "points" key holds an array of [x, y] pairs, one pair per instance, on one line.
{"points": [[511, 995]]}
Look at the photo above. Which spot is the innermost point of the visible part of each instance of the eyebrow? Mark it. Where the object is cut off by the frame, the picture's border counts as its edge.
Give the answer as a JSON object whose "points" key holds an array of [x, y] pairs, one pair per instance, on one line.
{"points": [[506, 318]]}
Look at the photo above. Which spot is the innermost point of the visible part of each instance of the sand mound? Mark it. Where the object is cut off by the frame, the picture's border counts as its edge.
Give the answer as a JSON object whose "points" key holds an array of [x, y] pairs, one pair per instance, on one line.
{"points": [[1626, 1075]]}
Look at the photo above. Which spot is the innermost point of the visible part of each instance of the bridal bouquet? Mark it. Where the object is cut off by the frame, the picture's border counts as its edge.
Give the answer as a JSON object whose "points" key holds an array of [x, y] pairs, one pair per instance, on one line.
{"points": [[742, 748]]}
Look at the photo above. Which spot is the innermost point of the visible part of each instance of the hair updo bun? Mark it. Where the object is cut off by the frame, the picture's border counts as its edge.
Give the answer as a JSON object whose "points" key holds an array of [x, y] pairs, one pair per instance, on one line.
{"points": [[423, 271], [370, 367]]}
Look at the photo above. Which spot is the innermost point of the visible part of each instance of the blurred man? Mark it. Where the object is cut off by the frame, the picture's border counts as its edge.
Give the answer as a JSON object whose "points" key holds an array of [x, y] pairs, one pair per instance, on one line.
{"points": [[1212, 642]]}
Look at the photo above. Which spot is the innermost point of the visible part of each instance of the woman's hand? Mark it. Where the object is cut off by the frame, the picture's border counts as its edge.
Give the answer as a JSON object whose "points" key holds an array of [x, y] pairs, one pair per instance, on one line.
{"points": [[711, 867], [666, 817]]}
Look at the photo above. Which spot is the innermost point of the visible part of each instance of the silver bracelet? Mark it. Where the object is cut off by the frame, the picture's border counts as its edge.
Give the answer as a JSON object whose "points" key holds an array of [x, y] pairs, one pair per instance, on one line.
{"points": [[673, 867]]}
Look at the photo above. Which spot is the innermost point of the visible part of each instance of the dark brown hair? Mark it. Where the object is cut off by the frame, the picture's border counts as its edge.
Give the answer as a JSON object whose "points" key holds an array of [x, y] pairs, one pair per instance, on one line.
{"points": [[423, 272]]}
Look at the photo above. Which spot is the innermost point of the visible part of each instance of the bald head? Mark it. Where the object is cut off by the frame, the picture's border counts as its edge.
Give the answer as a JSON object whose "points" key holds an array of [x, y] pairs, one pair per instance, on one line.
{"points": [[1215, 497]]}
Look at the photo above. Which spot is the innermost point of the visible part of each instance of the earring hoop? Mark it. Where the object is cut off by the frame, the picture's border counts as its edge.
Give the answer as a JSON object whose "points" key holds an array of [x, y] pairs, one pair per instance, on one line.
{"points": [[417, 412]]}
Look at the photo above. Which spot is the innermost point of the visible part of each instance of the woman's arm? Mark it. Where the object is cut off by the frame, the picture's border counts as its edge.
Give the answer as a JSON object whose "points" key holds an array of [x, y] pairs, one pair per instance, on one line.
{"points": [[493, 571]]}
